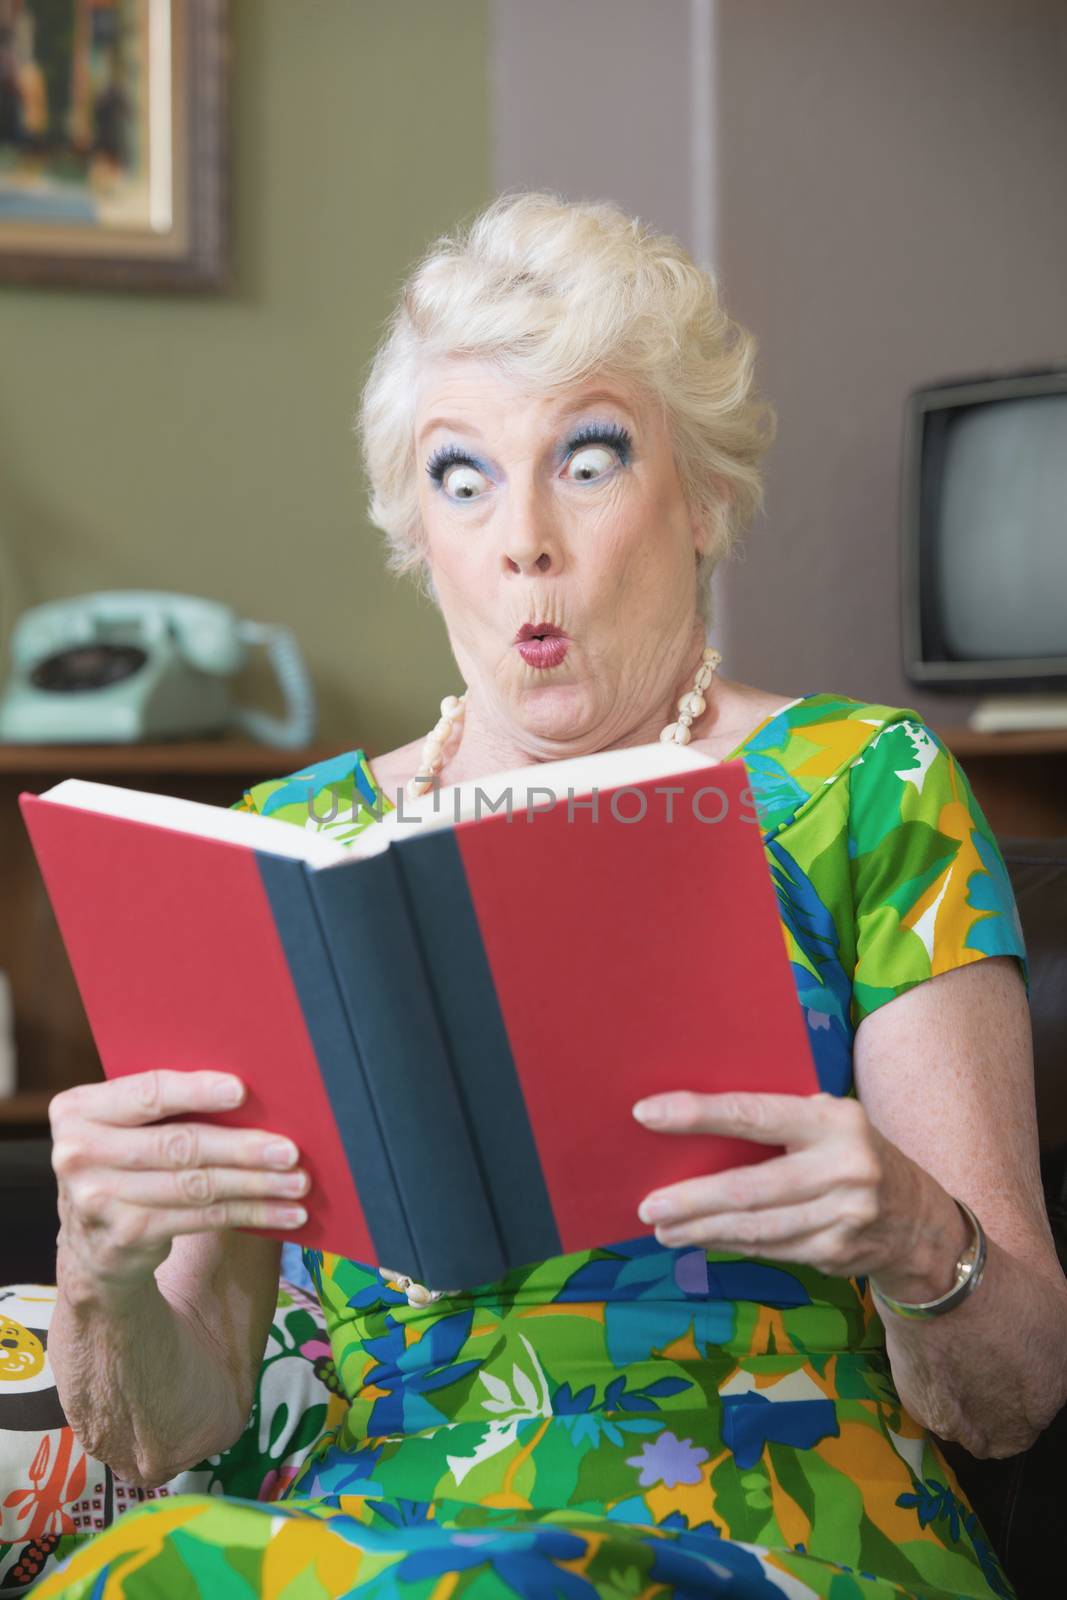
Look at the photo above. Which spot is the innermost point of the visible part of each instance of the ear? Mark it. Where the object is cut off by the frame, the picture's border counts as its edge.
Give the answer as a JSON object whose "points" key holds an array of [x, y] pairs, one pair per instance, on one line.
{"points": [[428, 584], [703, 534]]}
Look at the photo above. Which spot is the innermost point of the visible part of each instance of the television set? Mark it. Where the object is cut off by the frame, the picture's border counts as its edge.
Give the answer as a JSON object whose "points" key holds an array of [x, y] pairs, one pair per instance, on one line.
{"points": [[984, 559]]}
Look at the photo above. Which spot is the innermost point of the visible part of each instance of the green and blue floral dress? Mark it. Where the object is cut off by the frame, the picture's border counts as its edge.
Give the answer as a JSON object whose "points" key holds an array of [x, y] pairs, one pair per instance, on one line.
{"points": [[639, 1421]]}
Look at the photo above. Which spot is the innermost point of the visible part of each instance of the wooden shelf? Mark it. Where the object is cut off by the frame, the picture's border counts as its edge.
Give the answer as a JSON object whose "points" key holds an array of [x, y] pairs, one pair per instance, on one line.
{"points": [[26, 1108], [1019, 779], [1034, 742], [220, 757], [229, 757]]}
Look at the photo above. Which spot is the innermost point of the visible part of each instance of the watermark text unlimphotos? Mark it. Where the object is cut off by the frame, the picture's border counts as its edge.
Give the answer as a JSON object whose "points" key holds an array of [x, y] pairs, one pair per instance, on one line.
{"points": [[625, 805]]}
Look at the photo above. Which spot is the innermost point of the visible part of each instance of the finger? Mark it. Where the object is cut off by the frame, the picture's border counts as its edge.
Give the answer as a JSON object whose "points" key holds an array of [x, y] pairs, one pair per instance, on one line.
{"points": [[832, 1250], [783, 1180], [171, 1145], [204, 1186], [147, 1096], [132, 1228], [752, 1232], [788, 1119]]}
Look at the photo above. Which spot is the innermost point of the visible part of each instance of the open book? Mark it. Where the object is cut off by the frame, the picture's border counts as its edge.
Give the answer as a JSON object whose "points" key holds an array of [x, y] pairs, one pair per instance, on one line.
{"points": [[453, 1017]]}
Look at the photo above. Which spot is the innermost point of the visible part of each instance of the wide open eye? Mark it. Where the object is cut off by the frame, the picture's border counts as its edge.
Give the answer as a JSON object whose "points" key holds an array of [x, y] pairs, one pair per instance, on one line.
{"points": [[589, 462], [463, 482]]}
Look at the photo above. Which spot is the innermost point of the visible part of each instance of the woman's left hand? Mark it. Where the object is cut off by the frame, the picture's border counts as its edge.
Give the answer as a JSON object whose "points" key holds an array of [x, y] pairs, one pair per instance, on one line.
{"points": [[842, 1198]]}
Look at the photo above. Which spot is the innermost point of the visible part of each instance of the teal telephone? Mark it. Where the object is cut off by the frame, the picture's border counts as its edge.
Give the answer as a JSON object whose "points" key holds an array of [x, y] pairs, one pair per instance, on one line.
{"points": [[125, 666]]}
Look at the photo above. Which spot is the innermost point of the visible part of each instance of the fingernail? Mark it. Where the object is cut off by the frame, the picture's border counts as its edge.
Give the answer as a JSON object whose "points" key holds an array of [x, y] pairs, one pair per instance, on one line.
{"points": [[293, 1183], [650, 1111], [228, 1093], [281, 1154], [294, 1217], [652, 1209]]}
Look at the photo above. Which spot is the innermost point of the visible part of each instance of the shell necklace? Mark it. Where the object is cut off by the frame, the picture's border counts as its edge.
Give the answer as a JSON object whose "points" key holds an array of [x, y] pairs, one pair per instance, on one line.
{"points": [[453, 708], [432, 759]]}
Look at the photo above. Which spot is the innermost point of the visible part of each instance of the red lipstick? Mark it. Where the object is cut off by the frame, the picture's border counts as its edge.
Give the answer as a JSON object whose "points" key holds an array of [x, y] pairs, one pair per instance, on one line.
{"points": [[541, 644]]}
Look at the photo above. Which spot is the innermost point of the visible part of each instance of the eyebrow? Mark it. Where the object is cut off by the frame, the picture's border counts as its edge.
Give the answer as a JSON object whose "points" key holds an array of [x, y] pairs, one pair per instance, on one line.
{"points": [[601, 397]]}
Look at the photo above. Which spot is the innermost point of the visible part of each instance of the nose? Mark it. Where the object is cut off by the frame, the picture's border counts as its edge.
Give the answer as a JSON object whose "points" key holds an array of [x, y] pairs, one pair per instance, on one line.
{"points": [[531, 542], [541, 563]]}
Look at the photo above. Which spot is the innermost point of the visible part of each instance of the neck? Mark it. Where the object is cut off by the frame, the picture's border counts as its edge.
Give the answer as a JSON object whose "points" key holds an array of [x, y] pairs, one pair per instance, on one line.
{"points": [[487, 745]]}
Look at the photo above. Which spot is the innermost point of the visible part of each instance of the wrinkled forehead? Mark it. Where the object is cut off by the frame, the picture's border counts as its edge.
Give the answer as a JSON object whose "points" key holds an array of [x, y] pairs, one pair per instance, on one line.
{"points": [[469, 393]]}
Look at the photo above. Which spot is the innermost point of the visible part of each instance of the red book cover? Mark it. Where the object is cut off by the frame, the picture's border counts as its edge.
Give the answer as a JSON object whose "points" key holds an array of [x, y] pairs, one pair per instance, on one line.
{"points": [[631, 956], [452, 1030], [179, 964]]}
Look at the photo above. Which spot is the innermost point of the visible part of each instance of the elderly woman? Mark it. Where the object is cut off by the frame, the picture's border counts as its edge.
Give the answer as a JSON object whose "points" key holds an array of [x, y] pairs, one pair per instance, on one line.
{"points": [[562, 441]]}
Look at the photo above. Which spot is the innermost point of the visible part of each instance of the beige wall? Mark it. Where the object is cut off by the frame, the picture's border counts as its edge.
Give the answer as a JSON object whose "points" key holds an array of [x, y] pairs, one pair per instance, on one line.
{"points": [[204, 444], [891, 181], [879, 187], [592, 100]]}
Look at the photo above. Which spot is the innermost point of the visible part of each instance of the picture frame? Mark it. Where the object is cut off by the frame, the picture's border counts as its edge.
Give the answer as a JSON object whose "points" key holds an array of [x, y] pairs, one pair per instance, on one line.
{"points": [[114, 143]]}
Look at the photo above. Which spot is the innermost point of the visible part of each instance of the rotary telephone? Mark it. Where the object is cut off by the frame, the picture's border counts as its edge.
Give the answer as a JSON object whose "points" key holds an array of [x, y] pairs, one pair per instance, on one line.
{"points": [[127, 666]]}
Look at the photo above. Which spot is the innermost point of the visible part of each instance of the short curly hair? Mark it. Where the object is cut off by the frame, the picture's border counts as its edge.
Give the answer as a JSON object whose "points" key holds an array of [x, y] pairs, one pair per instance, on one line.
{"points": [[552, 292]]}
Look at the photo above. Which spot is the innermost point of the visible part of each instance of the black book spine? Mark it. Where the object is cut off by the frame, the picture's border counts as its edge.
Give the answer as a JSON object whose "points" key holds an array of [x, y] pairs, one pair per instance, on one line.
{"points": [[478, 1044], [392, 1013], [306, 949]]}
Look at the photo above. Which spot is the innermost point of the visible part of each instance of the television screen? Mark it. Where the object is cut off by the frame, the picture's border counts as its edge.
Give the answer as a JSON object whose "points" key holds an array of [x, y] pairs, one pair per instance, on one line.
{"points": [[985, 526], [1001, 544]]}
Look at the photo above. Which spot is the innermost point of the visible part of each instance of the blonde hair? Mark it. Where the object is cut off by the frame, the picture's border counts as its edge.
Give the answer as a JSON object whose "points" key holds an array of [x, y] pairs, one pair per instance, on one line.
{"points": [[552, 292]]}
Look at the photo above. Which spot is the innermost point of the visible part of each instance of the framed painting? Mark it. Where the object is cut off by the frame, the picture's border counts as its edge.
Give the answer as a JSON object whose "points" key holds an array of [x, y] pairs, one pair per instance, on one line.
{"points": [[113, 143]]}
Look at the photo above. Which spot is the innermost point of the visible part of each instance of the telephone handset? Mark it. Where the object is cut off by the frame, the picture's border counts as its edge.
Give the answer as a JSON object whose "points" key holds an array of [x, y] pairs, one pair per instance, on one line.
{"points": [[132, 665]]}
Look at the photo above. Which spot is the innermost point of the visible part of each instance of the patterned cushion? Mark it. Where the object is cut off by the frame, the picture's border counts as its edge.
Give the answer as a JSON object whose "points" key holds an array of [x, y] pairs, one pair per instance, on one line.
{"points": [[54, 1497]]}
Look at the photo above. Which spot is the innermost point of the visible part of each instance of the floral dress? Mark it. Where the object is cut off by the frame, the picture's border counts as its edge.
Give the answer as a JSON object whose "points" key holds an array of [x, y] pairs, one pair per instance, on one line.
{"points": [[636, 1420]]}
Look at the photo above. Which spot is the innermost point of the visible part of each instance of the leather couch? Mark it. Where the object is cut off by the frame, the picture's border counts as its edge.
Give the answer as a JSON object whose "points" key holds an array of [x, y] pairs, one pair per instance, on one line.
{"points": [[1019, 1500]]}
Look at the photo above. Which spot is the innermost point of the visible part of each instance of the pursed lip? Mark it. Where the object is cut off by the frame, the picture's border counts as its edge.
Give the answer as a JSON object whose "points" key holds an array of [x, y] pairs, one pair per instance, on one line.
{"points": [[538, 630]]}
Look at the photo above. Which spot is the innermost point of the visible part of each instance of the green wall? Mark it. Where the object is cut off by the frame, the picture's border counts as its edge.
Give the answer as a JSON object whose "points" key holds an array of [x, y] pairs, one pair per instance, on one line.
{"points": [[204, 444]]}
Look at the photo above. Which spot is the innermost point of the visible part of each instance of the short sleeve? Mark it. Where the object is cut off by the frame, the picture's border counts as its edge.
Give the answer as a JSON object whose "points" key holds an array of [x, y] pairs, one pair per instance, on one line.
{"points": [[336, 796], [255, 799], [929, 885]]}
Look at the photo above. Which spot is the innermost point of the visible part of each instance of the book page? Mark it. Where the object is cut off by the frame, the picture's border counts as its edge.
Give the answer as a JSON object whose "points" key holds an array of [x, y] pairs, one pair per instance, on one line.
{"points": [[536, 786], [245, 828]]}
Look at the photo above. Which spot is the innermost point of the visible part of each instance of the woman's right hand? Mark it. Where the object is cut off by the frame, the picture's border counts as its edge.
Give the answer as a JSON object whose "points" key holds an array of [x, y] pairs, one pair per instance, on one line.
{"points": [[130, 1183]]}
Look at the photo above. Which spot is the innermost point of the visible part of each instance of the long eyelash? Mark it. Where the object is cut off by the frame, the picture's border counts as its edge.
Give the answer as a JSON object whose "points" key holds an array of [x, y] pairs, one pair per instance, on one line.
{"points": [[449, 455], [612, 434]]}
